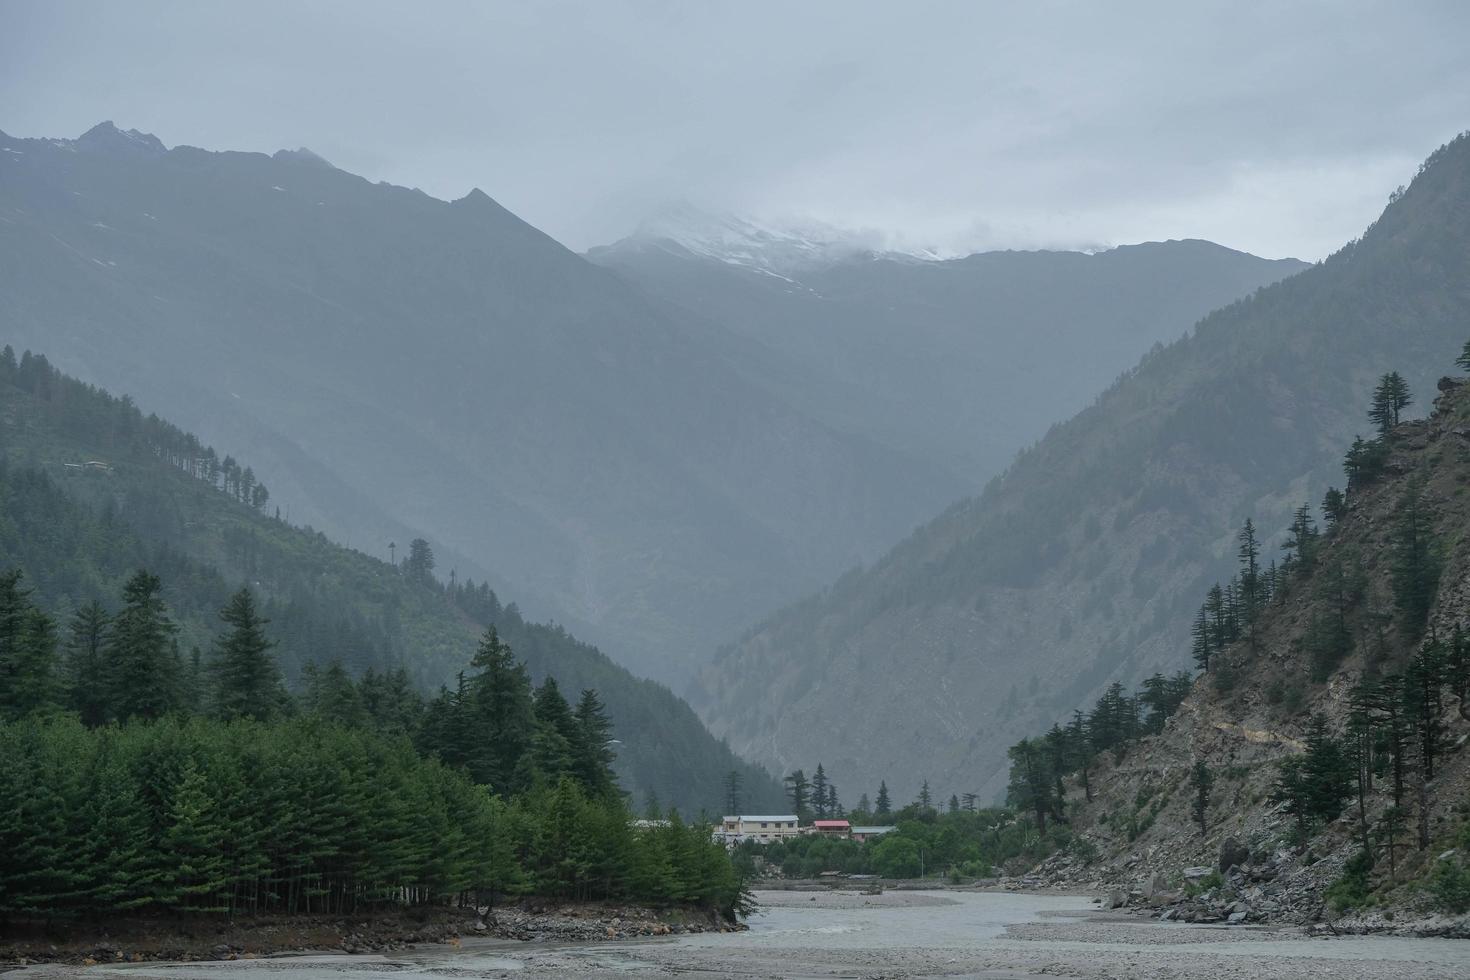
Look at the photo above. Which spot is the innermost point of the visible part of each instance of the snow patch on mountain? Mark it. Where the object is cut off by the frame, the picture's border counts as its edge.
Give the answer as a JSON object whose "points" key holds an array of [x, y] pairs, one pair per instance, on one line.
{"points": [[779, 248]]}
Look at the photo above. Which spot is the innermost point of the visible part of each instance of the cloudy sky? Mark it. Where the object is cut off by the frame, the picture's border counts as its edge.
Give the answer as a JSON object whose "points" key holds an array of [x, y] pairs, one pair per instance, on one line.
{"points": [[1276, 127]]}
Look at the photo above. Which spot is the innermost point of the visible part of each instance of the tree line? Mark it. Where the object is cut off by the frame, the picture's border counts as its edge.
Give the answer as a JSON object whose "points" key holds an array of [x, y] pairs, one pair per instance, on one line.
{"points": [[87, 407], [132, 780]]}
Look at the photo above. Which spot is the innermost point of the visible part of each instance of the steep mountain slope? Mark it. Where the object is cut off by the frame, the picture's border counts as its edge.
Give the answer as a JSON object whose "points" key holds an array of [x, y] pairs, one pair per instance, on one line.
{"points": [[388, 357], [964, 361], [1254, 711], [78, 530], [1084, 562]]}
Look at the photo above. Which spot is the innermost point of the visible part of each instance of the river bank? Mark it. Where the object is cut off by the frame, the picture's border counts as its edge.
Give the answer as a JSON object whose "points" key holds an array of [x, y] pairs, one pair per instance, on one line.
{"points": [[144, 940], [908, 934]]}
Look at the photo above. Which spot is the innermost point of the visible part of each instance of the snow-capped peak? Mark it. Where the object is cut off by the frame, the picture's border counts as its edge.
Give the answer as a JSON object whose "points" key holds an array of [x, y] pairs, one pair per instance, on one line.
{"points": [[782, 248]]}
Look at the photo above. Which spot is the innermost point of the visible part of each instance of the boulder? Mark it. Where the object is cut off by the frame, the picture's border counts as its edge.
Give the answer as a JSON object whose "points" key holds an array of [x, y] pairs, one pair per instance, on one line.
{"points": [[1197, 872], [1236, 918], [1233, 854], [1116, 899]]}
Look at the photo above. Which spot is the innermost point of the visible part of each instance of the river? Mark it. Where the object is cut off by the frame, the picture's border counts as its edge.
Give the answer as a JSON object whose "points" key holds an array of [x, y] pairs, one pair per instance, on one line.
{"points": [[900, 934]]}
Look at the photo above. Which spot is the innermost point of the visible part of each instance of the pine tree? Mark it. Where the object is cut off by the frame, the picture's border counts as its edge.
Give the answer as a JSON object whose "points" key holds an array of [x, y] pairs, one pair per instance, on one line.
{"points": [[247, 683], [1248, 551], [733, 783], [86, 678], [552, 745], [419, 565], [1200, 648], [884, 805], [819, 792], [1334, 508], [1463, 360], [500, 706], [592, 750], [798, 791], [1202, 780], [925, 799], [1416, 559], [141, 669], [1390, 398], [1301, 543], [29, 681], [1030, 787]]}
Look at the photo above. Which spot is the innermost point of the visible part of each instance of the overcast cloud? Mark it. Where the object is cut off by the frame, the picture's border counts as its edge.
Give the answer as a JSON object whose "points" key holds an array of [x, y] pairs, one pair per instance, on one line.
{"points": [[1275, 127]]}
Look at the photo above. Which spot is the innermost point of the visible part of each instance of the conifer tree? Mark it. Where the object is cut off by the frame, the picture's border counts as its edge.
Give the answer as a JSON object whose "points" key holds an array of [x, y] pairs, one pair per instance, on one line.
{"points": [[1416, 560], [247, 683], [926, 798], [1202, 780], [29, 681], [503, 720], [141, 669], [552, 744], [1390, 398], [1334, 507], [883, 806], [593, 747], [798, 791], [85, 675], [819, 792], [1200, 647], [733, 784]]}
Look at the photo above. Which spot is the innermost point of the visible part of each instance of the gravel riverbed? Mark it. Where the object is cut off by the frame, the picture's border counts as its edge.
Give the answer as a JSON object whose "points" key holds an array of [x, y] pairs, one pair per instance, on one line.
{"points": [[894, 935]]}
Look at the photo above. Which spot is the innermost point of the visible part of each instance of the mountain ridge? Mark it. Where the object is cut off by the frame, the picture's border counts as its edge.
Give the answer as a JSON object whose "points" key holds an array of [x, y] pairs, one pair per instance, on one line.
{"points": [[1081, 564]]}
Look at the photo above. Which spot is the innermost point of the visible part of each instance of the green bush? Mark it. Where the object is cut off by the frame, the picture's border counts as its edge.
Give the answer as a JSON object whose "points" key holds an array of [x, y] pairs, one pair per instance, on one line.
{"points": [[1354, 888], [1449, 886]]}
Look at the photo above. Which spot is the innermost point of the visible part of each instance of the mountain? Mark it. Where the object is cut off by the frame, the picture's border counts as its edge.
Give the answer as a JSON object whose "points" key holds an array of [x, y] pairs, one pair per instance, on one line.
{"points": [[962, 361], [1084, 562], [91, 489], [1298, 692], [400, 365]]}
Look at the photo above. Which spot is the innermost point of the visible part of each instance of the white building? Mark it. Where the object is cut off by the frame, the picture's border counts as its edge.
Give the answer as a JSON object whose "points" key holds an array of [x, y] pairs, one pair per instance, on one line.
{"points": [[763, 828]]}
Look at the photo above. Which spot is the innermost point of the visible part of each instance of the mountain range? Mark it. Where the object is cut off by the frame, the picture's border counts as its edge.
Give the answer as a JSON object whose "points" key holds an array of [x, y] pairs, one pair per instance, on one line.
{"points": [[653, 466], [1085, 561]]}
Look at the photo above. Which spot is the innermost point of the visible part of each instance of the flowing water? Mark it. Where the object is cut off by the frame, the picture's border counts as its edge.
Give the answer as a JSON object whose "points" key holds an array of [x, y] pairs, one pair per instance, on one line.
{"points": [[905, 934]]}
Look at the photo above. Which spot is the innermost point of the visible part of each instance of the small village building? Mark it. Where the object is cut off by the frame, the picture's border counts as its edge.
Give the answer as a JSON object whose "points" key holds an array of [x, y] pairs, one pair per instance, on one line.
{"points": [[870, 833], [832, 828], [760, 827]]}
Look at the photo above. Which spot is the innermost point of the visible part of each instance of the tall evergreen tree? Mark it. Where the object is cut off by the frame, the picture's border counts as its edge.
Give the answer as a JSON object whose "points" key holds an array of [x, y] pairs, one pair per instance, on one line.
{"points": [[593, 749], [247, 683], [819, 792], [798, 791], [1416, 558], [503, 719], [1390, 398], [883, 806], [142, 672], [29, 679], [733, 784], [1202, 780], [85, 674]]}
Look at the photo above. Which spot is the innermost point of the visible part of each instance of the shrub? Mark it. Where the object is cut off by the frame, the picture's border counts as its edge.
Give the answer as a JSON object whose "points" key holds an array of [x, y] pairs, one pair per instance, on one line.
{"points": [[1354, 888], [1449, 886]]}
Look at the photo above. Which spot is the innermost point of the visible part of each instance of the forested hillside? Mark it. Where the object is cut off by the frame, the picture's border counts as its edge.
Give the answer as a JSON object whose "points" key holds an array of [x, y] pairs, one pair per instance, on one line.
{"points": [[963, 361], [1318, 766], [400, 362], [1085, 562], [93, 490]]}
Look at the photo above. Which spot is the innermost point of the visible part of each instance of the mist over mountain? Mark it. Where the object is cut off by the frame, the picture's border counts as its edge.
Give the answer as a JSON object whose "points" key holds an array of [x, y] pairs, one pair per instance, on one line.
{"points": [[1083, 563], [397, 363], [962, 361]]}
